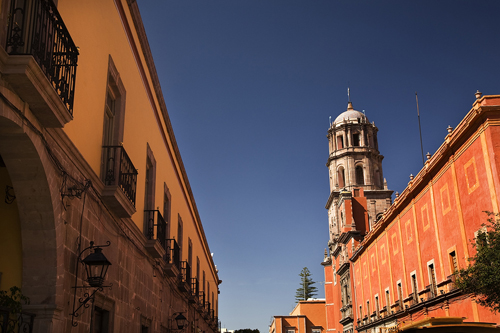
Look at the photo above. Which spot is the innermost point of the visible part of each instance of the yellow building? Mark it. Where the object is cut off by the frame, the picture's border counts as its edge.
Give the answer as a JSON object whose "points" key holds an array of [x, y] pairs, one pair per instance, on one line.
{"points": [[88, 154]]}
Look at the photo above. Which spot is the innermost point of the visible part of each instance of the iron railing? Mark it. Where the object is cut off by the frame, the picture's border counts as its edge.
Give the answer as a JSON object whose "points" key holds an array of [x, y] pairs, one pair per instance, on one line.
{"points": [[185, 272], [452, 284], [36, 28], [16, 322], [431, 291], [119, 170], [172, 255], [195, 287], [201, 298], [156, 227]]}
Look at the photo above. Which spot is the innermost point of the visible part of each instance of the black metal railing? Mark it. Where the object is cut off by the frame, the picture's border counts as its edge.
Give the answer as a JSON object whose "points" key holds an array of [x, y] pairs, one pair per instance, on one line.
{"points": [[431, 291], [201, 298], [156, 228], [185, 272], [195, 287], [172, 255], [16, 322], [119, 170], [36, 28]]}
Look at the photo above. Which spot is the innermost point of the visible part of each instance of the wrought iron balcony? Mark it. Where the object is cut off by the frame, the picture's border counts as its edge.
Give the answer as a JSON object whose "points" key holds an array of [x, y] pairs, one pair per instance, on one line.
{"points": [[172, 258], [120, 177], [201, 299], [185, 276], [156, 233], [16, 322], [451, 285], [193, 298], [36, 31]]}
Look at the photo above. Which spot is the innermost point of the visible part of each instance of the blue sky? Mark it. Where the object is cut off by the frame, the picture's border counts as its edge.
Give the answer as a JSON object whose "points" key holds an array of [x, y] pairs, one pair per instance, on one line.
{"points": [[250, 86]]}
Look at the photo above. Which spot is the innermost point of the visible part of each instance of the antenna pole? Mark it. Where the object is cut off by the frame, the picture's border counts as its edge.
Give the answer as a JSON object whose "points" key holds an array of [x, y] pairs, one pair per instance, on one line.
{"points": [[420, 130]]}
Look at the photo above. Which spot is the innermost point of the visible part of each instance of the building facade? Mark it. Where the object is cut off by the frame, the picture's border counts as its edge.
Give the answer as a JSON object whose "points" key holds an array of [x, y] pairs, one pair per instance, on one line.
{"points": [[391, 268], [89, 160], [307, 317]]}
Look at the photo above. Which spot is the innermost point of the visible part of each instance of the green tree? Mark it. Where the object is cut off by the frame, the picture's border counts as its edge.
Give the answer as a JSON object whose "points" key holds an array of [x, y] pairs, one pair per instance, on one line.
{"points": [[247, 330], [307, 289], [482, 277]]}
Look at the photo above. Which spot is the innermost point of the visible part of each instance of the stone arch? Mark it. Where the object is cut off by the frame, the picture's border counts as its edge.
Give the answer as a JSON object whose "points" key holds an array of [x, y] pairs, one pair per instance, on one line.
{"points": [[36, 189], [359, 174]]}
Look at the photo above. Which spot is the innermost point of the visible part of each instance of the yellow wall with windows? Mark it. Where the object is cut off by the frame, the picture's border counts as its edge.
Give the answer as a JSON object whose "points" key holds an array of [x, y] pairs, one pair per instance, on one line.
{"points": [[144, 124]]}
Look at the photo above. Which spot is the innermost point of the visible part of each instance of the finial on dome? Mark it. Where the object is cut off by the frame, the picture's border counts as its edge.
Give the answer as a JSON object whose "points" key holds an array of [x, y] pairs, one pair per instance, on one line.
{"points": [[349, 104]]}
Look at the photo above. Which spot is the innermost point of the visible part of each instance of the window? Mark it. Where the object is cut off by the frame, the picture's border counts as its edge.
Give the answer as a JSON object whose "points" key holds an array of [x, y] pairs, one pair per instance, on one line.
{"points": [[360, 312], [149, 191], [114, 107], [414, 287], [101, 320], [114, 119], [198, 268], [432, 278], [190, 252], [166, 209], [355, 139], [387, 300], [360, 180], [340, 142], [179, 235], [377, 306], [341, 177], [290, 330], [315, 330], [368, 307], [400, 295], [453, 261]]}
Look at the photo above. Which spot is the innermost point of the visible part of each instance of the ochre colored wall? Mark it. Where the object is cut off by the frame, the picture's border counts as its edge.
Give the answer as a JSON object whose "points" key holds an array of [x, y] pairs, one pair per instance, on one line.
{"points": [[143, 125]]}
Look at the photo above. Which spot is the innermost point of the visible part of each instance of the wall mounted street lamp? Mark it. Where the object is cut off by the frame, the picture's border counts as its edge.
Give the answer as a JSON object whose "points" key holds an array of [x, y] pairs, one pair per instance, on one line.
{"points": [[180, 321], [96, 266]]}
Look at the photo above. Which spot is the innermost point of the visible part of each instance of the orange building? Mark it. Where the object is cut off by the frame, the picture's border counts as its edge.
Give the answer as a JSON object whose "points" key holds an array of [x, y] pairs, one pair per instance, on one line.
{"points": [[307, 317], [89, 159], [392, 269]]}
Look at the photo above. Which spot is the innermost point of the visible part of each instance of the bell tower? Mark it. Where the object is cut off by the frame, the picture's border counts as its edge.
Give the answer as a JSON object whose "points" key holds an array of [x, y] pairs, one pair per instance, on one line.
{"points": [[358, 197], [355, 169]]}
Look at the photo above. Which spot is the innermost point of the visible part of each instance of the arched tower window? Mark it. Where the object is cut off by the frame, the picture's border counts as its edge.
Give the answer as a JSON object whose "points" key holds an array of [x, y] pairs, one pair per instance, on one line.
{"points": [[360, 179], [341, 177], [355, 140]]}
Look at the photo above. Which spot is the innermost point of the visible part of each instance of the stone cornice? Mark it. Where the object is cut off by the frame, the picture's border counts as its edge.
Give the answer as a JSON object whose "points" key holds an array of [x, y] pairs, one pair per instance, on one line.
{"points": [[485, 113]]}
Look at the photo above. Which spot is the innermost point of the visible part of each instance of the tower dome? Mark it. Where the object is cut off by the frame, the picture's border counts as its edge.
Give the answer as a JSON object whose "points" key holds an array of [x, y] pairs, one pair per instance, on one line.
{"points": [[350, 114]]}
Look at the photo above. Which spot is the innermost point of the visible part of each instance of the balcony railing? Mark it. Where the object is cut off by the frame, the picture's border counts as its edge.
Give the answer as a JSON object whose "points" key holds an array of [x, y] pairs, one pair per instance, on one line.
{"points": [[119, 170], [201, 298], [36, 28], [185, 276], [451, 285], [156, 228], [16, 322], [173, 253]]}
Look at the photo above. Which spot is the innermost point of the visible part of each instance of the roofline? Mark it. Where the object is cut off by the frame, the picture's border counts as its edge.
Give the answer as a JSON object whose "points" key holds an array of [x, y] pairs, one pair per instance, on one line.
{"points": [[141, 33]]}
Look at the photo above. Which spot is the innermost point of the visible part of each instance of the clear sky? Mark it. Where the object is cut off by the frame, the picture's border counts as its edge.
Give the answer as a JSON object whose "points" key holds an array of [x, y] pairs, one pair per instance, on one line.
{"points": [[250, 86]]}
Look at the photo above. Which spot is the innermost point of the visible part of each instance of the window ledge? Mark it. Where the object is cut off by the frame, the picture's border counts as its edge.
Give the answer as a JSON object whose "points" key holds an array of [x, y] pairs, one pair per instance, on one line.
{"points": [[117, 201], [154, 248]]}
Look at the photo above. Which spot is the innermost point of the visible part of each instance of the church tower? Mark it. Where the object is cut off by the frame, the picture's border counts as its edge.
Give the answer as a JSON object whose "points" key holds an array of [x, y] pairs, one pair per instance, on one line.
{"points": [[358, 197], [355, 166]]}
